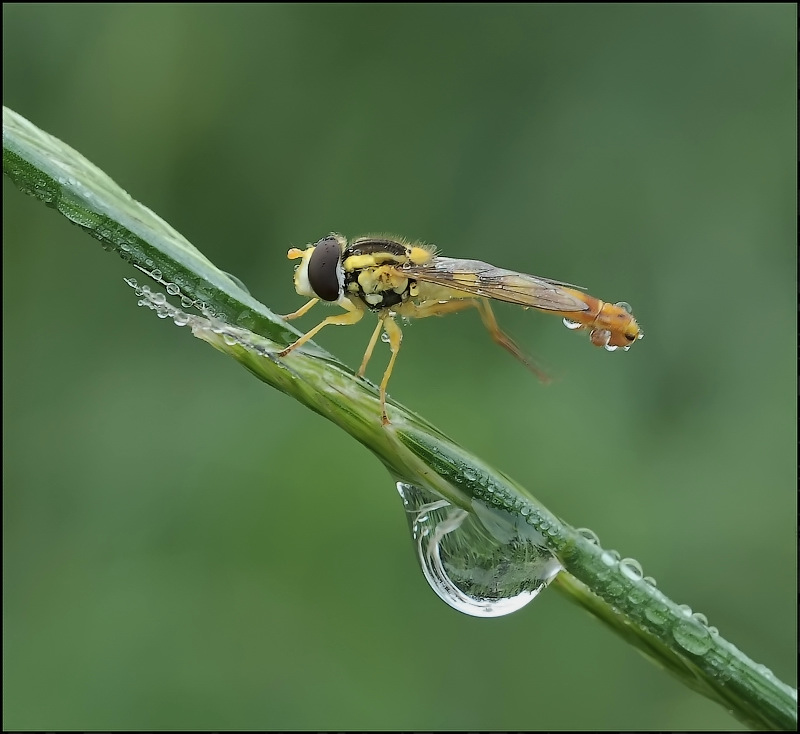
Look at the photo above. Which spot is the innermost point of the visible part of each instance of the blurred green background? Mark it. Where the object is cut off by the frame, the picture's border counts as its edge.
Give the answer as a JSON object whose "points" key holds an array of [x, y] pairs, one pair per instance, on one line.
{"points": [[185, 547]]}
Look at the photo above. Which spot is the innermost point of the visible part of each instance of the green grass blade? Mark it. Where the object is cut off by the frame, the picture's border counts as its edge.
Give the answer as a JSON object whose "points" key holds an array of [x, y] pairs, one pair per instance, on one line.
{"points": [[411, 448]]}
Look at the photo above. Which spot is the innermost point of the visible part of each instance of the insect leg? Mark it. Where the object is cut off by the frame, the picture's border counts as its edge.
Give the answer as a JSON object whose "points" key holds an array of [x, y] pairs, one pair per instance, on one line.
{"points": [[302, 310], [372, 342], [505, 341], [343, 319], [395, 335], [435, 308]]}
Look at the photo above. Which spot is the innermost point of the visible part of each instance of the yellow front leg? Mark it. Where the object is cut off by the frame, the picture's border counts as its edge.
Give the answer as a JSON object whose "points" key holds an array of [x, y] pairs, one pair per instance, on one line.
{"points": [[352, 316], [302, 310]]}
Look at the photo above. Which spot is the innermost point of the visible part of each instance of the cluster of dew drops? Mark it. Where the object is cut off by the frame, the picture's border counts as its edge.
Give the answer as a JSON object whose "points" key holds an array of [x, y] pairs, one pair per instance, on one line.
{"points": [[207, 320], [157, 302], [691, 631]]}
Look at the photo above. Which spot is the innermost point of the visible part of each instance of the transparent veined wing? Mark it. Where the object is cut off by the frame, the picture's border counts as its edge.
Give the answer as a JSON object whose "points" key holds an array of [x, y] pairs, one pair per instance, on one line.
{"points": [[482, 279]]}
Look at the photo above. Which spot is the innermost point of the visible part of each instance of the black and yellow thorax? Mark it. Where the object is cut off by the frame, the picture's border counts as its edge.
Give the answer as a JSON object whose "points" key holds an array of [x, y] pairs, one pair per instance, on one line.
{"points": [[373, 271]]}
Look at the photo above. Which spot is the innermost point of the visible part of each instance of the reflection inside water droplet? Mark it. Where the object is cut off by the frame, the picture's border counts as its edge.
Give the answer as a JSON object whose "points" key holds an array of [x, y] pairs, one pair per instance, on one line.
{"points": [[482, 563]]}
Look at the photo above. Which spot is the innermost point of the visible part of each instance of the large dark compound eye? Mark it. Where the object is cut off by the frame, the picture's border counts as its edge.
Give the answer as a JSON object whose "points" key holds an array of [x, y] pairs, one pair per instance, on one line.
{"points": [[323, 269]]}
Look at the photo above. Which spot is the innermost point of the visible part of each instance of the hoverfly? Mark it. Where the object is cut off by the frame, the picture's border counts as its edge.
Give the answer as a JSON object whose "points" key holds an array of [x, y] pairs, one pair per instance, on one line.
{"points": [[393, 278]]}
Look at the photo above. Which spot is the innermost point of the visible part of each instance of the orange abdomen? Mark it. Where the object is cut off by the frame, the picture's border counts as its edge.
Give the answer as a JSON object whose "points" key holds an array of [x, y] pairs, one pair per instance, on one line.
{"points": [[612, 325]]}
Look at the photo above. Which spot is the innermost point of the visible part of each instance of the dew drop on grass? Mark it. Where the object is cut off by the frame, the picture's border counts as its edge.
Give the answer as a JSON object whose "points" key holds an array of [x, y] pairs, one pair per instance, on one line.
{"points": [[692, 636], [237, 282], [478, 562], [631, 568]]}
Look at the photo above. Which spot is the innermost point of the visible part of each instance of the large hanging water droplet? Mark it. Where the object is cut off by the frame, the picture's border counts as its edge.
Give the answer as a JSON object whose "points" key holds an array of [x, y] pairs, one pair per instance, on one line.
{"points": [[570, 324], [476, 562]]}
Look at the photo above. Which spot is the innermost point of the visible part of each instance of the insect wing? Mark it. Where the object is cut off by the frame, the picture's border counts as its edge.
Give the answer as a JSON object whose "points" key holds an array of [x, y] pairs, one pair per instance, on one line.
{"points": [[481, 279]]}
